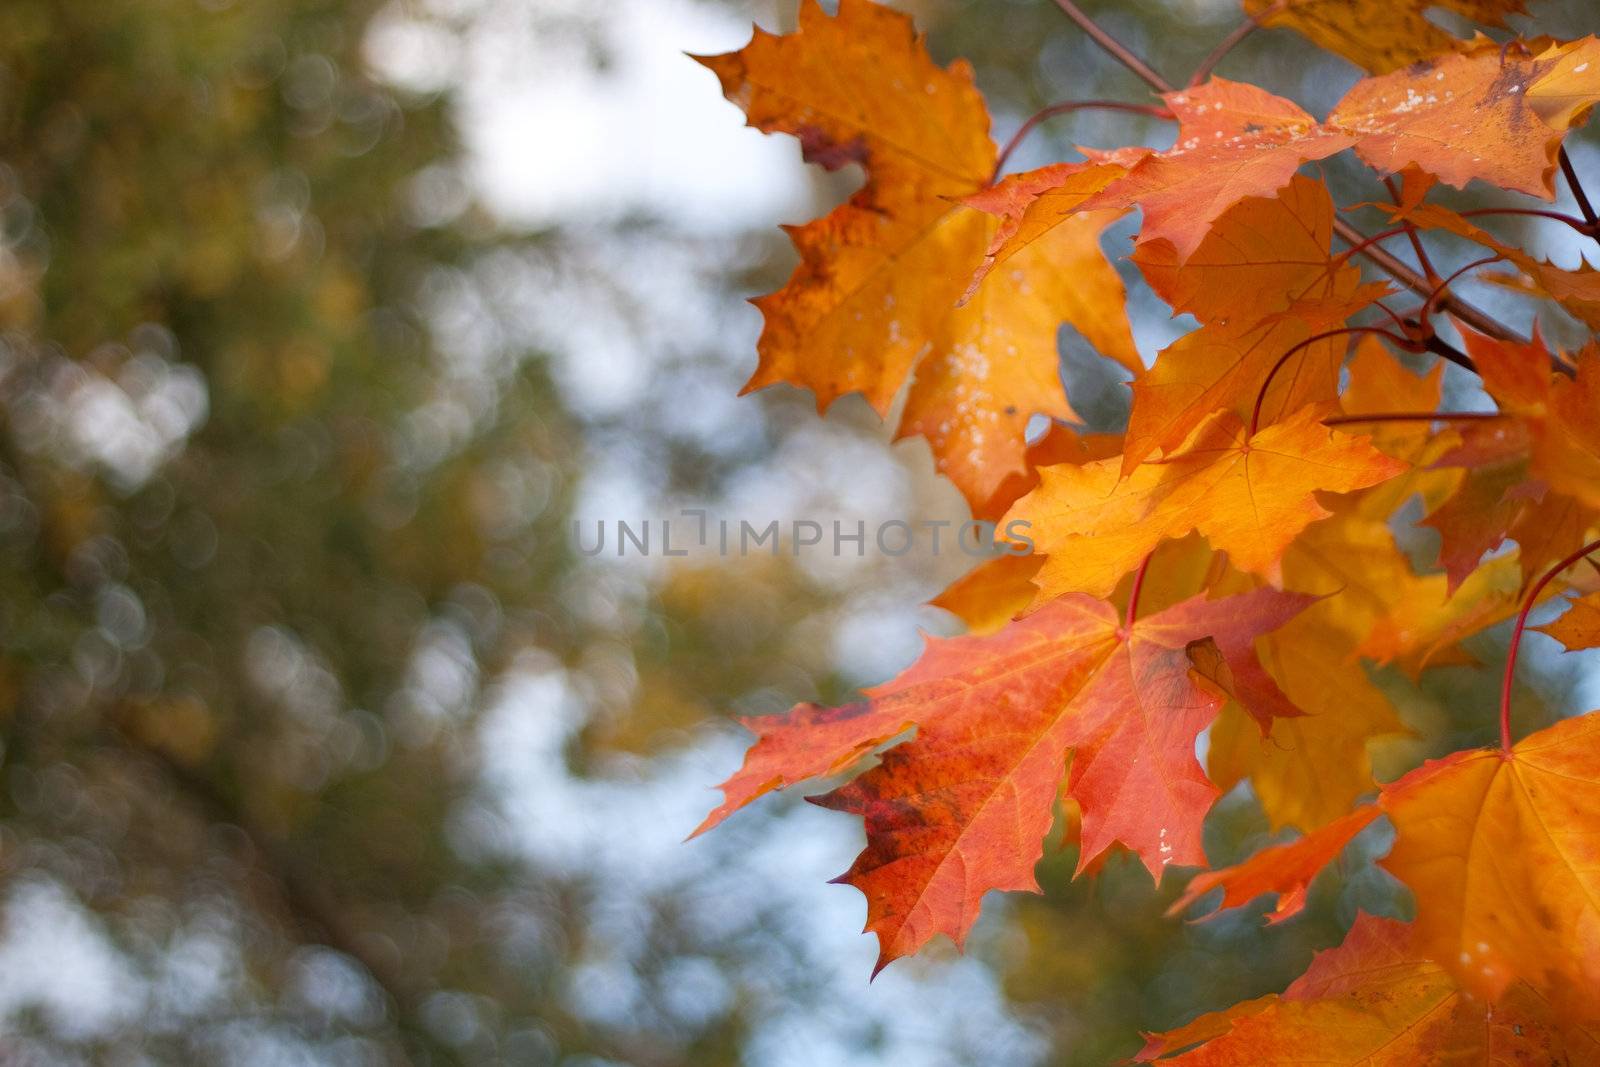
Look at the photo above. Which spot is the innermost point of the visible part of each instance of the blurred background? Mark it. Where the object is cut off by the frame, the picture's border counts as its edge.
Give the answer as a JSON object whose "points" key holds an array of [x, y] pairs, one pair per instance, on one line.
{"points": [[321, 321]]}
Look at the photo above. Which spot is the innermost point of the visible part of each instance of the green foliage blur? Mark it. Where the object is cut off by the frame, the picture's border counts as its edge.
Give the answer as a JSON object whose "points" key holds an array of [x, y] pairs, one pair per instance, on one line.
{"points": [[285, 489]]}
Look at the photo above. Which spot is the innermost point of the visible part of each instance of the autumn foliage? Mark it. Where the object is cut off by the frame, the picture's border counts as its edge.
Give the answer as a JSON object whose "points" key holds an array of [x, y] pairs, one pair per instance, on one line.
{"points": [[1226, 565]]}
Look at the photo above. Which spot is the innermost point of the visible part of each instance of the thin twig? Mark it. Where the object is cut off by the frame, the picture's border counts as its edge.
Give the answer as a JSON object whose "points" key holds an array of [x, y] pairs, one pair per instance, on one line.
{"points": [[1578, 193], [1440, 290], [1446, 350], [1115, 47], [1403, 274], [1250, 25], [1066, 108]]}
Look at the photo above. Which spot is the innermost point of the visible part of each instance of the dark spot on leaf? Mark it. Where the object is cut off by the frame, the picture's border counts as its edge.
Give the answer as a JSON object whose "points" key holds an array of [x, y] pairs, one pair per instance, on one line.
{"points": [[819, 148]]}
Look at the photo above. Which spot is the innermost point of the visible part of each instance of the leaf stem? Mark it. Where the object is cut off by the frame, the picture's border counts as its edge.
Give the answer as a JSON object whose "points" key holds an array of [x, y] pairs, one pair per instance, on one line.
{"points": [[1138, 585], [1066, 108], [1516, 639], [1415, 416], [1586, 228], [1261, 397]]}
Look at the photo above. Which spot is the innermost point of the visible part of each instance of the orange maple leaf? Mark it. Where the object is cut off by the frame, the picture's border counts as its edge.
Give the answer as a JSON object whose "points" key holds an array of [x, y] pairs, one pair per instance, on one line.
{"points": [[1560, 412], [1234, 140], [807, 741], [874, 296], [1490, 114], [1264, 283], [1286, 870], [1249, 497], [856, 312], [1579, 626], [1501, 852], [965, 805], [1376, 1000], [1262, 255], [1380, 35]]}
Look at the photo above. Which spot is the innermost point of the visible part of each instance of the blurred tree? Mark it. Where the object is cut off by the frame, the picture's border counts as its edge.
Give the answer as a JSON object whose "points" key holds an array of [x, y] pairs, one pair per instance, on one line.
{"points": [[262, 533]]}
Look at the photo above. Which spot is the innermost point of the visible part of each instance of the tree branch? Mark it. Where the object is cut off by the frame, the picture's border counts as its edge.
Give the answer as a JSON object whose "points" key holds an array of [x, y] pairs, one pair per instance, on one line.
{"points": [[1578, 193], [1420, 285]]}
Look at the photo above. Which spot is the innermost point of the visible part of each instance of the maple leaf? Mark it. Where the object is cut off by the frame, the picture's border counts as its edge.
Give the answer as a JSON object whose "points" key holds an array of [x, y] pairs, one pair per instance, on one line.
{"points": [[1375, 1000], [1477, 517], [1489, 114], [1559, 411], [1549, 527], [861, 289], [992, 593], [1223, 366], [1492, 496], [1248, 497], [1380, 35], [1030, 205], [1234, 140], [994, 363], [1264, 283], [808, 741], [873, 298], [1579, 626], [1308, 770], [1262, 255], [1424, 630], [965, 805], [1499, 848], [1496, 500], [1286, 870], [1486, 114]]}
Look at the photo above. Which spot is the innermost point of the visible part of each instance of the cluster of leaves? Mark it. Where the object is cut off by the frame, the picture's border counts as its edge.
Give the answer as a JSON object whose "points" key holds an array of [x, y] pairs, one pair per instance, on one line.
{"points": [[1266, 456]]}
